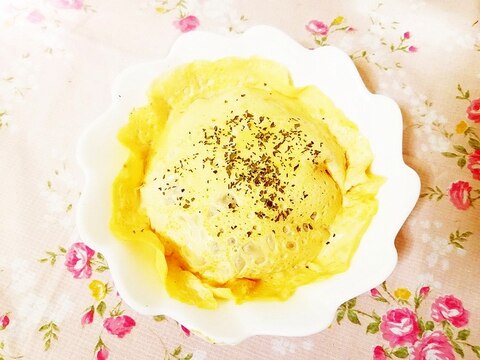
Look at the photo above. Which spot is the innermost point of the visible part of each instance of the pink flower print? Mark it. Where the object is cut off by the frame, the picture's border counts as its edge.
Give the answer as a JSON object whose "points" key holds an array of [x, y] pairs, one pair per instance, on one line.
{"points": [[406, 35], [119, 325], [77, 260], [433, 345], [412, 49], [317, 27], [185, 330], [450, 308], [186, 24], [474, 164], [424, 291], [459, 193], [35, 17], [4, 321], [68, 4], [103, 353], [351, 29], [399, 327], [87, 318], [473, 110], [379, 353], [375, 293]]}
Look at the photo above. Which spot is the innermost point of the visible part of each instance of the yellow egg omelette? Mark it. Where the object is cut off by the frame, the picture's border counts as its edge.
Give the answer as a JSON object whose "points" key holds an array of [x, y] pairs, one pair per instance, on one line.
{"points": [[245, 186]]}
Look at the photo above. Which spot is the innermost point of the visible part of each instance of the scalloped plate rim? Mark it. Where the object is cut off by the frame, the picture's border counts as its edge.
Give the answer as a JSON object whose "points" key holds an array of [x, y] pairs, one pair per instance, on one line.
{"points": [[82, 155]]}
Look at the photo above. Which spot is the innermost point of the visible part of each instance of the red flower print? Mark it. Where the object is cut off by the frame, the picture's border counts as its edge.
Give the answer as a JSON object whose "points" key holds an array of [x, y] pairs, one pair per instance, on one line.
{"points": [[185, 330], [460, 194], [406, 35], [87, 318], [103, 353], [68, 4], [379, 353], [399, 326], [375, 293], [77, 260], [317, 27], [187, 23], [424, 291], [4, 321], [474, 164], [473, 110], [119, 325], [450, 308], [433, 345], [412, 49]]}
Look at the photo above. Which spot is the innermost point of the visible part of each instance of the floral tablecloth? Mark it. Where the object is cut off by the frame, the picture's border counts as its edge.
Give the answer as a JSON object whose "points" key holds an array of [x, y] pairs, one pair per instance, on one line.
{"points": [[58, 59]]}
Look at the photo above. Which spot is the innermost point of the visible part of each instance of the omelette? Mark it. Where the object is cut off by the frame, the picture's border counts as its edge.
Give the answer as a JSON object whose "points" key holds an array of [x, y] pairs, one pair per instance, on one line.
{"points": [[244, 186]]}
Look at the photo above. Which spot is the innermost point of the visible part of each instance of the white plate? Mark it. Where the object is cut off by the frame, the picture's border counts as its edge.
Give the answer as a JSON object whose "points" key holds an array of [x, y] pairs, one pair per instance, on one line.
{"points": [[312, 308]]}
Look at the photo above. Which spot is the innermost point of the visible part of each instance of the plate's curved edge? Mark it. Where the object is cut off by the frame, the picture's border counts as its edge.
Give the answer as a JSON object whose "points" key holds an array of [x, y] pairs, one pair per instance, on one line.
{"points": [[81, 157], [357, 78], [405, 169]]}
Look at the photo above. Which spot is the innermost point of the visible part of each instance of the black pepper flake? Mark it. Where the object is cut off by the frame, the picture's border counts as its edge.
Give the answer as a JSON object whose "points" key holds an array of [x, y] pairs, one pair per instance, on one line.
{"points": [[260, 214], [262, 169]]}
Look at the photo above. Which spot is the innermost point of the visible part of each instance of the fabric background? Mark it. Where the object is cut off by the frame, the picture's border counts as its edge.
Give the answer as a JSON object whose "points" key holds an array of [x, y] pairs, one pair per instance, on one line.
{"points": [[58, 59]]}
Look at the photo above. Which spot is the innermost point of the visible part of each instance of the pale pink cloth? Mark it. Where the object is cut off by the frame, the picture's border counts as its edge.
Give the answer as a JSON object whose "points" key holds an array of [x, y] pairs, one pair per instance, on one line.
{"points": [[59, 59]]}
